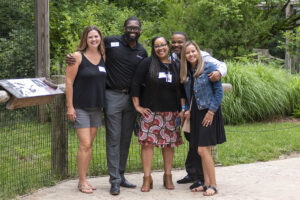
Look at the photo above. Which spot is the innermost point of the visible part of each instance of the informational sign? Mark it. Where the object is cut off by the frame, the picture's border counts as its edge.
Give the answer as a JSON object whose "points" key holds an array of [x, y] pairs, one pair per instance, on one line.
{"points": [[29, 92], [29, 87]]}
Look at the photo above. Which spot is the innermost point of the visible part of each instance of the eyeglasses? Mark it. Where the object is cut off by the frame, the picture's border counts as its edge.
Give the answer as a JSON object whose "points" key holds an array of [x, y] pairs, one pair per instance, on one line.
{"points": [[132, 28], [158, 46]]}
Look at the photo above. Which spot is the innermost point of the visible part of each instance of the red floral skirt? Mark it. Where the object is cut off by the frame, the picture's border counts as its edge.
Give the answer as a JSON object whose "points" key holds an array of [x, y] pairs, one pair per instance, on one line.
{"points": [[159, 129]]}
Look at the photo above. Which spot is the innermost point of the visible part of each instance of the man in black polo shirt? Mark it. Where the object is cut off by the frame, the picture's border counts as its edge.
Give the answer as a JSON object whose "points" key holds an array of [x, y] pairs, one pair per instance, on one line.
{"points": [[123, 54]]}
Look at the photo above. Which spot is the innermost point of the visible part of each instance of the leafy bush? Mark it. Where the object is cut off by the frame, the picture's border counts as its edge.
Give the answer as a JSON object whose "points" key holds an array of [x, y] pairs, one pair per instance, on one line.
{"points": [[259, 91], [17, 55], [17, 51], [296, 113], [231, 28], [67, 21]]}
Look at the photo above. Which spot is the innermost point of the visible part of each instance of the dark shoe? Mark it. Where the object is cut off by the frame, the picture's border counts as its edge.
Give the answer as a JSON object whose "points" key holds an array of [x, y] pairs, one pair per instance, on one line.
{"points": [[127, 184], [196, 184], [115, 189], [185, 180]]}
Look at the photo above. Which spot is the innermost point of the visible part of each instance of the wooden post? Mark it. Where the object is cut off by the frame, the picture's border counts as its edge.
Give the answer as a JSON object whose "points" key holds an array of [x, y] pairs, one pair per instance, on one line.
{"points": [[59, 133], [42, 51], [288, 56], [297, 62]]}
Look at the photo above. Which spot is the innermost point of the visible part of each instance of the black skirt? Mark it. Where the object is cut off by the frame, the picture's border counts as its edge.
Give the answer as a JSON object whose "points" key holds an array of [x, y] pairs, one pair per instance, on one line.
{"points": [[206, 136]]}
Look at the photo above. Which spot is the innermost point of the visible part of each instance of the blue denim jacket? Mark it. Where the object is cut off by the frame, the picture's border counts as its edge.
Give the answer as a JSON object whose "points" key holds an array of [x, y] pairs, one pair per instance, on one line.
{"points": [[207, 94]]}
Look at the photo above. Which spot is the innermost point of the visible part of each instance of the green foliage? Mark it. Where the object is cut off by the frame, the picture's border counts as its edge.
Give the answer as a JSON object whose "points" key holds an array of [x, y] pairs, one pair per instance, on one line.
{"points": [[67, 22], [259, 91], [17, 39], [294, 42], [149, 10], [16, 62], [15, 14], [296, 113], [230, 28], [249, 143]]}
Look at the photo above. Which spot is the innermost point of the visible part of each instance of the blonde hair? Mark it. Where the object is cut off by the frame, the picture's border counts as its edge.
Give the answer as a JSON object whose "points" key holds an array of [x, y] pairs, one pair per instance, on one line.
{"points": [[83, 42], [183, 62]]}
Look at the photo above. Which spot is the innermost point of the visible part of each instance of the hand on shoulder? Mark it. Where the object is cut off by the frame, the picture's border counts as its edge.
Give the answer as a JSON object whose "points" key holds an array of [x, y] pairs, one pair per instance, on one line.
{"points": [[76, 57], [73, 58]]}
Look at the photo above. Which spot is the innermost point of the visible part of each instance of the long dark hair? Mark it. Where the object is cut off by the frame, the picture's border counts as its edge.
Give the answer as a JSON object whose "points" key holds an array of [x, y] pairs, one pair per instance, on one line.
{"points": [[156, 63], [83, 42]]}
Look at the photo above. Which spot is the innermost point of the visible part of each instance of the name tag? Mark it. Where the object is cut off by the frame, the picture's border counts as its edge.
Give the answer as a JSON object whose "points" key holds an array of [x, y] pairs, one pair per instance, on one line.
{"points": [[114, 44], [138, 56], [169, 78], [101, 69], [162, 75]]}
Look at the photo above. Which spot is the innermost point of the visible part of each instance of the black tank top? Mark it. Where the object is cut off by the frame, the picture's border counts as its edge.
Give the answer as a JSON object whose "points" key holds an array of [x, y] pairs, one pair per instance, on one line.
{"points": [[89, 85]]}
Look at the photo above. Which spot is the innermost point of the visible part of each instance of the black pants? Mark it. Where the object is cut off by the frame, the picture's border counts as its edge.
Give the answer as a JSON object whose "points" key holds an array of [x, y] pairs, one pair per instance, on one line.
{"points": [[193, 164]]}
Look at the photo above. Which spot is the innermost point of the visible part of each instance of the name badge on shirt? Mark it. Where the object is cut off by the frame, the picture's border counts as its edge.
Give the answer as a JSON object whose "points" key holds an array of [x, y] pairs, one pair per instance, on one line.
{"points": [[114, 44], [102, 69], [138, 56], [169, 78], [162, 75]]}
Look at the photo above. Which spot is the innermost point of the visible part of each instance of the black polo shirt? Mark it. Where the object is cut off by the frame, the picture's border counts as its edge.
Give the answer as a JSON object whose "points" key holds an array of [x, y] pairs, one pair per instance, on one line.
{"points": [[121, 61]]}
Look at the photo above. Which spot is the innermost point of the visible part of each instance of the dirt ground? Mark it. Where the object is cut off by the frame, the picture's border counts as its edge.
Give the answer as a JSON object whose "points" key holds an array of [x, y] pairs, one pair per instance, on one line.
{"points": [[273, 180], [279, 119]]}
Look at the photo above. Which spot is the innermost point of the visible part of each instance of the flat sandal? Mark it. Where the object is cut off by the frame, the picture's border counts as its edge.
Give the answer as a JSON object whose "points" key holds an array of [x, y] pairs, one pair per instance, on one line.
{"points": [[213, 188]]}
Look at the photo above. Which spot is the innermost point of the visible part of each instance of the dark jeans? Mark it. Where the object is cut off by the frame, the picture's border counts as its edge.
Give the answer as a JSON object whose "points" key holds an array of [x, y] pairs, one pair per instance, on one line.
{"points": [[193, 164]]}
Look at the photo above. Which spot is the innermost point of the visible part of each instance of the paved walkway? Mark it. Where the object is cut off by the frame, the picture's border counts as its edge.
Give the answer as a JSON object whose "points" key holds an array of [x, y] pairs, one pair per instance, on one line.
{"points": [[274, 180]]}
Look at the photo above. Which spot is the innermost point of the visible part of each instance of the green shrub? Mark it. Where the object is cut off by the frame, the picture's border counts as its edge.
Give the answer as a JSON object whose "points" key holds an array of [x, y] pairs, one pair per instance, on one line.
{"points": [[259, 91], [69, 18], [296, 112]]}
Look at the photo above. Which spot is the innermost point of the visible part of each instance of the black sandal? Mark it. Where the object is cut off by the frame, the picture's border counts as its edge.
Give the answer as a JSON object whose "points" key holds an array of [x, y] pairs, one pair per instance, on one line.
{"points": [[196, 185], [213, 188]]}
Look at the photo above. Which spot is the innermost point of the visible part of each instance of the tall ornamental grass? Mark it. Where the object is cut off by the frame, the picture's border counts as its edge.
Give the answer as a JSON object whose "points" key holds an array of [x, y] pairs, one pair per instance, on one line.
{"points": [[259, 91]]}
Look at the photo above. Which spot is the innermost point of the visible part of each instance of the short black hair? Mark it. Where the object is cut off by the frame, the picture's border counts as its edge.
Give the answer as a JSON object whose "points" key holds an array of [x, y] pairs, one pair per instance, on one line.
{"points": [[181, 33], [132, 18]]}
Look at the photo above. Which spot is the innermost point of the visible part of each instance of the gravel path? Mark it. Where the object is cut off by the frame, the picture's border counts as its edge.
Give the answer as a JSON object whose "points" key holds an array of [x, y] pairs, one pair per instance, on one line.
{"points": [[274, 180]]}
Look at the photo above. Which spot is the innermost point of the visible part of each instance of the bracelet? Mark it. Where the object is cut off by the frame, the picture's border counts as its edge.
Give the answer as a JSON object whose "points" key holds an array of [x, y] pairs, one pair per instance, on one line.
{"points": [[211, 112], [183, 107]]}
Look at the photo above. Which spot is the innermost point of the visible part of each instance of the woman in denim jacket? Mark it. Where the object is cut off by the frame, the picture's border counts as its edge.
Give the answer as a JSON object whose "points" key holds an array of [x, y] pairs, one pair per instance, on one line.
{"points": [[205, 97]]}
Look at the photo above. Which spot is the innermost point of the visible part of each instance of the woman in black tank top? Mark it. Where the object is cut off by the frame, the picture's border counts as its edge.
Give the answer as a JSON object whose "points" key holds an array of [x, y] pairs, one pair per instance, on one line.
{"points": [[85, 90]]}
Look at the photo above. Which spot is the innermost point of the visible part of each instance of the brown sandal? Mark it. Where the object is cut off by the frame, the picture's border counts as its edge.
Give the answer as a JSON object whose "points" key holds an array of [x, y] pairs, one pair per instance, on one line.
{"points": [[168, 183], [92, 187], [147, 184], [85, 189]]}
